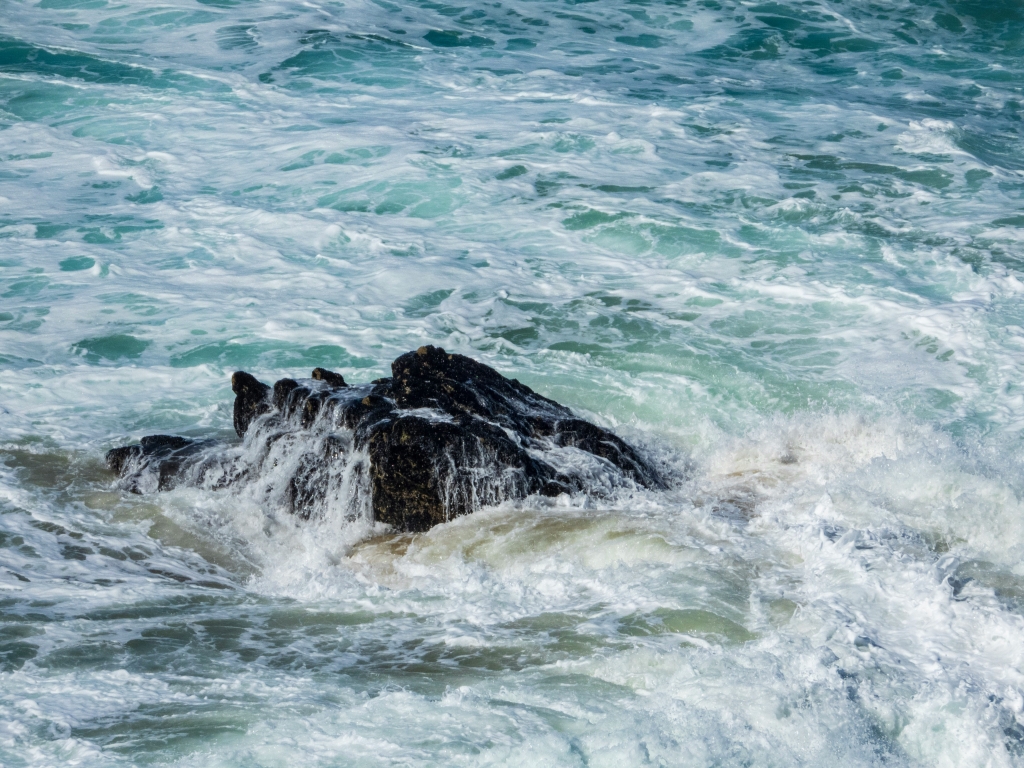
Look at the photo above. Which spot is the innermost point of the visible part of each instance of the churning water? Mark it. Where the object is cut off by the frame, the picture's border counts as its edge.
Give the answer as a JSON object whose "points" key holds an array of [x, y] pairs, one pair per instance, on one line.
{"points": [[780, 245]]}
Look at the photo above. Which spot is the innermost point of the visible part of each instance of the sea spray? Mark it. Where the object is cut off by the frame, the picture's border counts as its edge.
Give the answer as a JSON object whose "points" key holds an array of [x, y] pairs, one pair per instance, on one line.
{"points": [[778, 245]]}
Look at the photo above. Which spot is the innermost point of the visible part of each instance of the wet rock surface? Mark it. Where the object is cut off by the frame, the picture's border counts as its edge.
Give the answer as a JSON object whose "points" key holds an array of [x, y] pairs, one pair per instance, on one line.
{"points": [[442, 437], [251, 399]]}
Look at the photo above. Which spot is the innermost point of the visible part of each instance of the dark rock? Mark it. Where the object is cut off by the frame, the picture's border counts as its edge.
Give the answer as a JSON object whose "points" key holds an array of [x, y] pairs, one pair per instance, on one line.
{"points": [[282, 389], [330, 378], [251, 399], [577, 433], [425, 472], [310, 482], [290, 396], [456, 384], [119, 459], [443, 436], [167, 454]]}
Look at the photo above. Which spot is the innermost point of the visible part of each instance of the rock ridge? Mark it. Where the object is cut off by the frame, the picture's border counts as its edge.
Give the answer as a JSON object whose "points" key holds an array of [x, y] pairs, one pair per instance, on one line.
{"points": [[441, 437]]}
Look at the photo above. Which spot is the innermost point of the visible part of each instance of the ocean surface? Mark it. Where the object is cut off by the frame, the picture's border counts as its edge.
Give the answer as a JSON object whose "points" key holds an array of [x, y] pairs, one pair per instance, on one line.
{"points": [[778, 245]]}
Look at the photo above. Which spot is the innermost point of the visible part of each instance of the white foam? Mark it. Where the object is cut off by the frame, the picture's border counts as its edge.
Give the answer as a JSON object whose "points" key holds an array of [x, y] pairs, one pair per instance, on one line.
{"points": [[723, 257]]}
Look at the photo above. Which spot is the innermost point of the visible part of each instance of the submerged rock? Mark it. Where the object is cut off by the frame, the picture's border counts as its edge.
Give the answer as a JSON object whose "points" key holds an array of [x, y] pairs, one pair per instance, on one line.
{"points": [[442, 437], [165, 456]]}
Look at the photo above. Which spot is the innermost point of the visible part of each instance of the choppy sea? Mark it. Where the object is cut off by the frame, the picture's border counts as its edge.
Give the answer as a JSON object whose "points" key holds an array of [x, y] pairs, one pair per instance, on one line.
{"points": [[778, 245]]}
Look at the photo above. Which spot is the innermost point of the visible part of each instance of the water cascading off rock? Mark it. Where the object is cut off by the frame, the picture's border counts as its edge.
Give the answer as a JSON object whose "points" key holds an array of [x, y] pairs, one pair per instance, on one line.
{"points": [[442, 437]]}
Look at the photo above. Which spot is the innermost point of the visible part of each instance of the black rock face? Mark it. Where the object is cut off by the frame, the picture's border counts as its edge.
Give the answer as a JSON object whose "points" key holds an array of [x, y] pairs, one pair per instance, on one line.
{"points": [[252, 399], [444, 436]]}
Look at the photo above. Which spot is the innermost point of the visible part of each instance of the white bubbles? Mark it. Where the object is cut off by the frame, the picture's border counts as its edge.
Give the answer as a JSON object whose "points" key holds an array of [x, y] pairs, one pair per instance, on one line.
{"points": [[778, 248], [929, 137], [852, 572]]}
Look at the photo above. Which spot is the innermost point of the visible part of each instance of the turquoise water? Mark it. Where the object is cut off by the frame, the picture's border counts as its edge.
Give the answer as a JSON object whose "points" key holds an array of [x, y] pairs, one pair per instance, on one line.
{"points": [[780, 245]]}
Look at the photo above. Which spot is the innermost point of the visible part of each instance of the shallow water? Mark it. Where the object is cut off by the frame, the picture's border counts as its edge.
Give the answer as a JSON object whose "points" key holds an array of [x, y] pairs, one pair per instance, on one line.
{"points": [[779, 245]]}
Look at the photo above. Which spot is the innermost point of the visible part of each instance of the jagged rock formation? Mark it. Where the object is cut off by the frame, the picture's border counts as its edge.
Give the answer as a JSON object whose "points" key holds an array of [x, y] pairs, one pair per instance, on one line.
{"points": [[442, 437]]}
